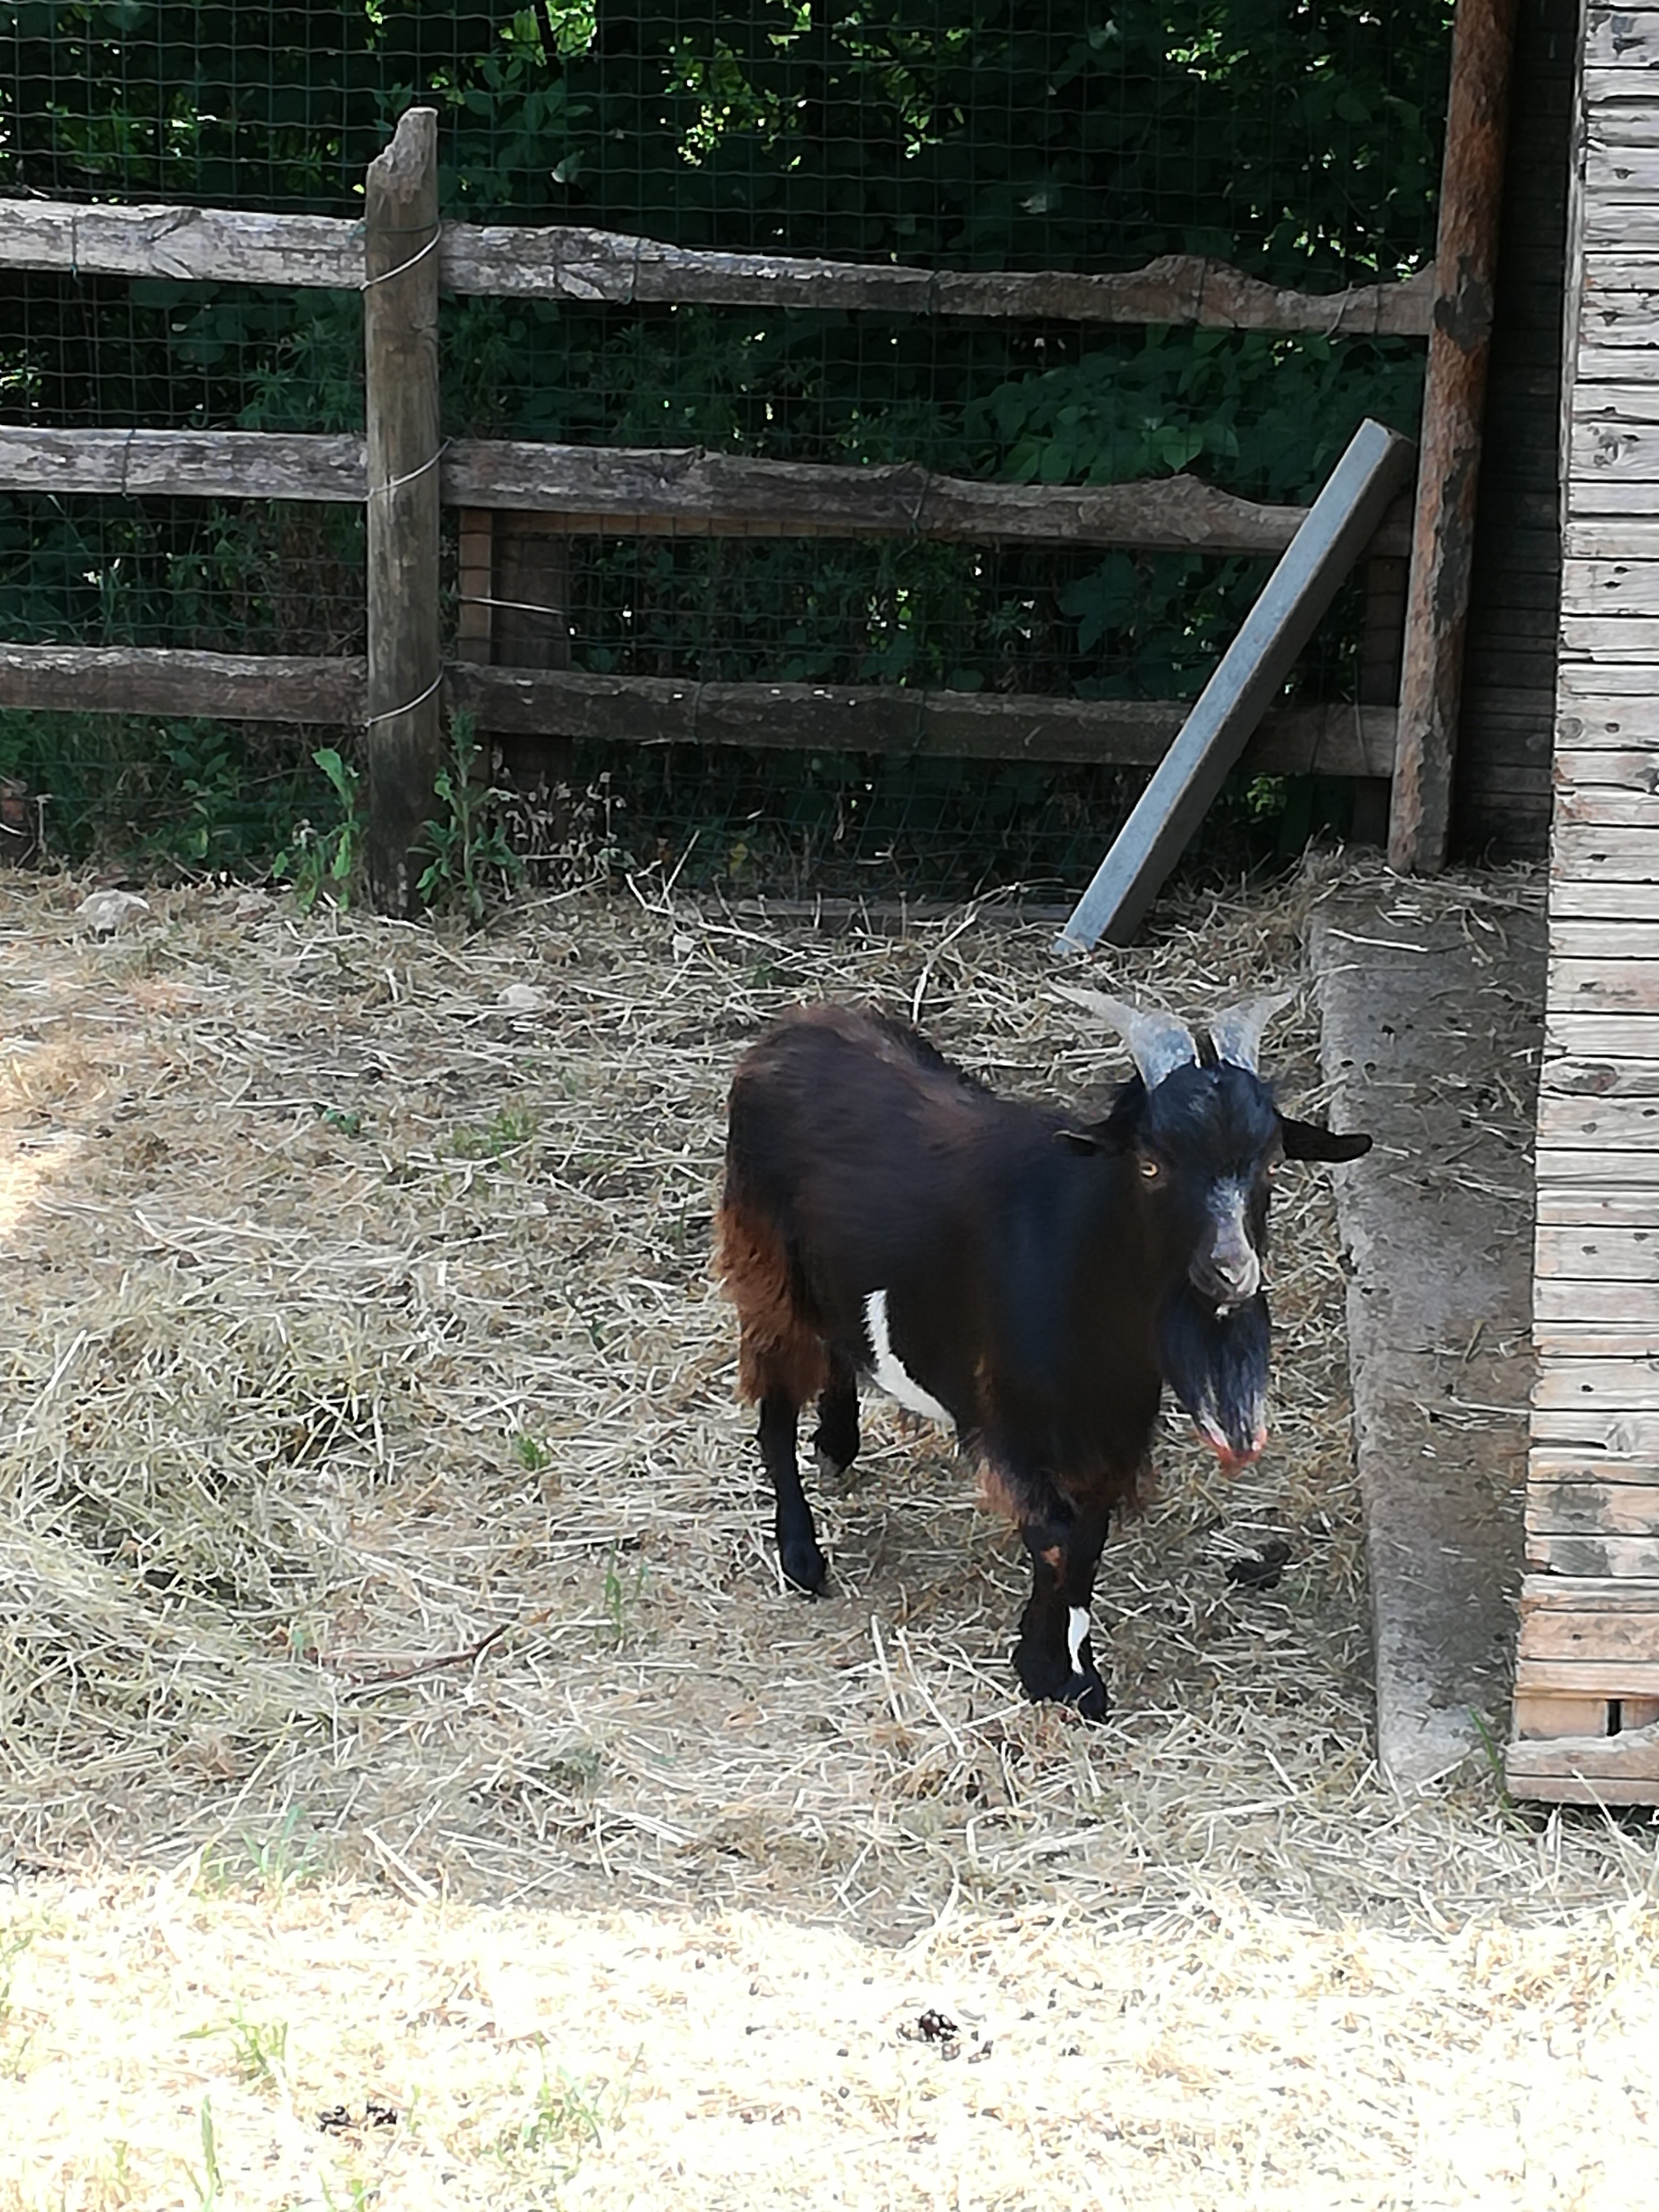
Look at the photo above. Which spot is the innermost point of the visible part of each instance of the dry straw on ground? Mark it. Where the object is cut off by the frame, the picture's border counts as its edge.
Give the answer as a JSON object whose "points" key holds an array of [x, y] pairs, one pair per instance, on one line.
{"points": [[377, 1516]]}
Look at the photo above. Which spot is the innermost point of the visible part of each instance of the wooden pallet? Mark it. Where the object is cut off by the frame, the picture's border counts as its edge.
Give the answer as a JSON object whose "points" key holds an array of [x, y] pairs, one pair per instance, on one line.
{"points": [[1587, 1690]]}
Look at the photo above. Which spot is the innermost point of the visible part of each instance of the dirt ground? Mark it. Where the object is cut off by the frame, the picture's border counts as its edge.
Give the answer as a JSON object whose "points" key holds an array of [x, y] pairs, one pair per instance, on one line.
{"points": [[417, 1788]]}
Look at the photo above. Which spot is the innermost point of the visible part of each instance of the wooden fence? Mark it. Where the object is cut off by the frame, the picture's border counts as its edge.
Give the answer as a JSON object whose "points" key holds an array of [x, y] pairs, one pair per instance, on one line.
{"points": [[399, 256]]}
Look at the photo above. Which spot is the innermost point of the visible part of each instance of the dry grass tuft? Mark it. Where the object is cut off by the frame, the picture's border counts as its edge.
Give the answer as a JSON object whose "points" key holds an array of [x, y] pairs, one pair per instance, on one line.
{"points": [[375, 1507]]}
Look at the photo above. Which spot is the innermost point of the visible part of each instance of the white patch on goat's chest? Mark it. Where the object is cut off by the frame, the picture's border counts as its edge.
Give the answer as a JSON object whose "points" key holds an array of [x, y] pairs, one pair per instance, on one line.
{"points": [[1077, 1635], [888, 1372]]}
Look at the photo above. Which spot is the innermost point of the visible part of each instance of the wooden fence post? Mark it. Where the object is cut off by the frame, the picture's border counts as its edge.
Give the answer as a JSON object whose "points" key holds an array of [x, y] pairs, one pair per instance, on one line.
{"points": [[400, 362], [1443, 539]]}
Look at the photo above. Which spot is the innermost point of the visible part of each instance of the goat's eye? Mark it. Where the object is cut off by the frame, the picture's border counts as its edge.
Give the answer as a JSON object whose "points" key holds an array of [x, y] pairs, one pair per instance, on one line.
{"points": [[1150, 1169]]}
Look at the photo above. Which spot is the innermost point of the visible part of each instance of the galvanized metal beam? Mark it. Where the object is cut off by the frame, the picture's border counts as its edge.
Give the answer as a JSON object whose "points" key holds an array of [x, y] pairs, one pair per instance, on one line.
{"points": [[1339, 525]]}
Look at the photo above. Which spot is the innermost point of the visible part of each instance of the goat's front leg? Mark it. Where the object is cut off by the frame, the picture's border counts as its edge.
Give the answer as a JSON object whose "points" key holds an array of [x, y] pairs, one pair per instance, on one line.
{"points": [[1054, 1656], [802, 1563]]}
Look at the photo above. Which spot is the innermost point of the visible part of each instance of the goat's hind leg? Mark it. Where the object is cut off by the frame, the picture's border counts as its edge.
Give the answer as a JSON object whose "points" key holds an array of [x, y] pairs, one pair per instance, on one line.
{"points": [[802, 1563], [836, 1439], [1054, 1656], [781, 1363]]}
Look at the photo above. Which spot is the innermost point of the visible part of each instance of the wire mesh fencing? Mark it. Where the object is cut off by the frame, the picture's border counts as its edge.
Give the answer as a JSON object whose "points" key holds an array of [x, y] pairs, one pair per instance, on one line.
{"points": [[1298, 146]]}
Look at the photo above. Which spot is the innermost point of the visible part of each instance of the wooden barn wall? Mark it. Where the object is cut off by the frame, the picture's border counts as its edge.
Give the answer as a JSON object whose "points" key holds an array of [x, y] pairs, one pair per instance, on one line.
{"points": [[1501, 802], [1586, 1667]]}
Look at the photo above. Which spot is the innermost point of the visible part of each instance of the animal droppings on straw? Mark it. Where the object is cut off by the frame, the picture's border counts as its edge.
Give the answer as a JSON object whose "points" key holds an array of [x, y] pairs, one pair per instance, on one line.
{"points": [[1262, 1570]]}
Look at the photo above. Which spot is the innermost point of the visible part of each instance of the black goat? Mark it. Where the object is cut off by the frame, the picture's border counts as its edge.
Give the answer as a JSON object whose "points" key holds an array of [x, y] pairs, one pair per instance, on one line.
{"points": [[1001, 1268]]}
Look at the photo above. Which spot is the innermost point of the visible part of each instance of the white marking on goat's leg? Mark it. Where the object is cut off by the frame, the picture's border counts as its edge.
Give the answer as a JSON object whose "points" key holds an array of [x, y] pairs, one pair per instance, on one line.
{"points": [[887, 1372], [1077, 1635]]}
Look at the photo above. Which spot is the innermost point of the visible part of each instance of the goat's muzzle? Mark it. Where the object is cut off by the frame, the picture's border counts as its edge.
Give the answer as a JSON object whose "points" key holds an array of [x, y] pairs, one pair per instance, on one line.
{"points": [[1227, 1274], [1225, 1269], [1234, 1460]]}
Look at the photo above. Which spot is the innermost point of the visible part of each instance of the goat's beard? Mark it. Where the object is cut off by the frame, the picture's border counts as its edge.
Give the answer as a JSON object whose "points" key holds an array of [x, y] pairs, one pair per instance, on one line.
{"points": [[1216, 1363]]}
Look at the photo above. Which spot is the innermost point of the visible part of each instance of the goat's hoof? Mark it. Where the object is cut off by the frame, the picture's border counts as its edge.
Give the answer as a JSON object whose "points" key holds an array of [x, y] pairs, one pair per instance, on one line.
{"points": [[1088, 1693], [804, 1566], [834, 1447], [1049, 1681]]}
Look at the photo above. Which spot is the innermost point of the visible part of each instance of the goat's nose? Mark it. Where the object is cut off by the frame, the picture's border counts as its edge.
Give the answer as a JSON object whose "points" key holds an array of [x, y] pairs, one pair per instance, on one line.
{"points": [[1228, 1274]]}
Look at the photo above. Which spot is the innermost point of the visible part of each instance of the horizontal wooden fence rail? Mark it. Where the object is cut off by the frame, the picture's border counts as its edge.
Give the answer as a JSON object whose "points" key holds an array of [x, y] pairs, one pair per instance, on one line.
{"points": [[1331, 740], [1337, 740], [513, 570], [679, 491], [185, 464], [233, 687], [560, 261], [613, 489]]}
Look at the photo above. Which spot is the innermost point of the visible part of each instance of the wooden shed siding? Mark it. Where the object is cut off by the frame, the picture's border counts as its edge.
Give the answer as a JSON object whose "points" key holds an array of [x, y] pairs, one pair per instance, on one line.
{"points": [[1586, 1674], [1501, 801]]}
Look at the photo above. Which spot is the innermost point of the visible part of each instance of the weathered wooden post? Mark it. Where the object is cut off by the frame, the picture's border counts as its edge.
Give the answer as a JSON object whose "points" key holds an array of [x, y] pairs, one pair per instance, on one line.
{"points": [[1442, 538], [400, 363]]}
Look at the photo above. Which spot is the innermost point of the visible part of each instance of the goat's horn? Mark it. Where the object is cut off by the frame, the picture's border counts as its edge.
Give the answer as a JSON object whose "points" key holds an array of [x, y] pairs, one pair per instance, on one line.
{"points": [[1157, 1042], [1236, 1031]]}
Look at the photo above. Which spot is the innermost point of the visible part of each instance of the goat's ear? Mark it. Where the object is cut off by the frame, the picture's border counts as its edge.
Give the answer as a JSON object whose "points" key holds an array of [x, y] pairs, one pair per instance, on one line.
{"points": [[1308, 1140], [1080, 1140]]}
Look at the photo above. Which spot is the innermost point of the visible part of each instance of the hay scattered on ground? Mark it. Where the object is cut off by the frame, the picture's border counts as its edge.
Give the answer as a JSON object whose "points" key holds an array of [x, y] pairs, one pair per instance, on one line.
{"points": [[374, 1507]]}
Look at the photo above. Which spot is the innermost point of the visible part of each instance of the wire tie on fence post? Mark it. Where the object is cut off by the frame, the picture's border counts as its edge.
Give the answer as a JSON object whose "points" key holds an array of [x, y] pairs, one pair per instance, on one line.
{"points": [[408, 707], [634, 273], [75, 245], [126, 450], [921, 502], [431, 247], [397, 483]]}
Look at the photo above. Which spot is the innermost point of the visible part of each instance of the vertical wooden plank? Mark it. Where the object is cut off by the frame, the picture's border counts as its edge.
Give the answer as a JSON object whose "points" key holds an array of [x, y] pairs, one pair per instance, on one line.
{"points": [[533, 589], [1332, 535], [1380, 650], [532, 629], [1442, 538], [400, 362], [475, 584]]}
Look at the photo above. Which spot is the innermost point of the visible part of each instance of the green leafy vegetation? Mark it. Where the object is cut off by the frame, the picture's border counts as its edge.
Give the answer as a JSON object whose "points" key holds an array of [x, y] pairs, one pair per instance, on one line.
{"points": [[318, 859], [208, 2183], [183, 796], [471, 856], [260, 2047], [284, 1858]]}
